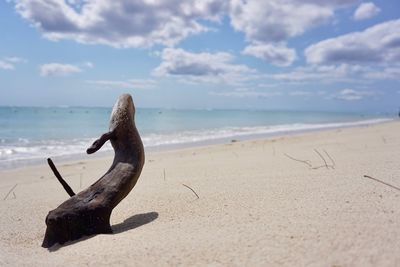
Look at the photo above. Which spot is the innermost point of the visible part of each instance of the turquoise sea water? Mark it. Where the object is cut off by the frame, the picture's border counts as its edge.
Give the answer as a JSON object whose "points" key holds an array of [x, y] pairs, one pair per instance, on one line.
{"points": [[31, 134]]}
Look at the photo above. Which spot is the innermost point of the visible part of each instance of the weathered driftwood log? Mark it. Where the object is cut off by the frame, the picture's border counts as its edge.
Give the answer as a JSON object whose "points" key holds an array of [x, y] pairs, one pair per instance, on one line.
{"points": [[88, 212]]}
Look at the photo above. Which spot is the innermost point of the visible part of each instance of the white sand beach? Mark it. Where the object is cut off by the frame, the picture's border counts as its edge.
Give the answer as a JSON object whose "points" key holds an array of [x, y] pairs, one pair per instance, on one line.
{"points": [[258, 205]]}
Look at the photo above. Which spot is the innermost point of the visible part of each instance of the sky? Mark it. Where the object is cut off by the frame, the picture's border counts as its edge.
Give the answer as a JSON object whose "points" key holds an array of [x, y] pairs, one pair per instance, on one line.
{"points": [[334, 55]]}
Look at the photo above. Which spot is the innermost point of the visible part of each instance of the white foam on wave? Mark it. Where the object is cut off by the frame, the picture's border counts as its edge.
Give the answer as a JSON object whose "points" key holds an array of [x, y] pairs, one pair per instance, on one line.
{"points": [[24, 150], [187, 137]]}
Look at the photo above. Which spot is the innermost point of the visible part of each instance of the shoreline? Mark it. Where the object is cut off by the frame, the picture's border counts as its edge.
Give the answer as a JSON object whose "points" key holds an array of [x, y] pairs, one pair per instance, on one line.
{"points": [[259, 204], [26, 163]]}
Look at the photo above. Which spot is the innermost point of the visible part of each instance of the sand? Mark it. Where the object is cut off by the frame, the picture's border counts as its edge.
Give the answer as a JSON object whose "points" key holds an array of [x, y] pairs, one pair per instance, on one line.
{"points": [[257, 206]]}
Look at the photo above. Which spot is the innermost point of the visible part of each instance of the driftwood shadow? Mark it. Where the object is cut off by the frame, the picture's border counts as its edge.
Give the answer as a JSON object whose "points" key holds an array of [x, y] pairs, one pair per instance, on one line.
{"points": [[134, 221], [130, 223]]}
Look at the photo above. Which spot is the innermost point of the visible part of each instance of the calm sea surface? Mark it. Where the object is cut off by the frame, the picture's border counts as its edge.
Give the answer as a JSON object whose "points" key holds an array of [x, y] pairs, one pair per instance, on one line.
{"points": [[31, 134]]}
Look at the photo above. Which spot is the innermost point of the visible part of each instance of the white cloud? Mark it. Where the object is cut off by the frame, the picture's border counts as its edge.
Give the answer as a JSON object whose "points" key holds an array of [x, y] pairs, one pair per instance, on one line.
{"points": [[275, 21], [4, 65], [366, 11], [388, 73], [278, 54], [246, 93], [353, 95], [58, 69], [120, 23], [377, 44], [330, 74], [125, 84], [267, 25], [15, 60], [205, 67], [8, 63]]}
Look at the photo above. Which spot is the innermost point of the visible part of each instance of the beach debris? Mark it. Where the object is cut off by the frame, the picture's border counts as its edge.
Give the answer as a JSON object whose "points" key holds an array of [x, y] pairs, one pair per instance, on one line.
{"points": [[382, 182], [194, 192], [311, 166], [307, 162], [9, 192], [322, 157], [88, 212], [331, 159]]}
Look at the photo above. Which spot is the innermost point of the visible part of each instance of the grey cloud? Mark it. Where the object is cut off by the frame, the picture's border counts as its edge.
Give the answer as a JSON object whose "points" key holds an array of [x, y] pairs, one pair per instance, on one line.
{"points": [[206, 67], [277, 54]]}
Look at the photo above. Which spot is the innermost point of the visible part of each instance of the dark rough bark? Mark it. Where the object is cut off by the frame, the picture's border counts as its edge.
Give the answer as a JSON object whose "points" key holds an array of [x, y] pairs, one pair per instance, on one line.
{"points": [[89, 211]]}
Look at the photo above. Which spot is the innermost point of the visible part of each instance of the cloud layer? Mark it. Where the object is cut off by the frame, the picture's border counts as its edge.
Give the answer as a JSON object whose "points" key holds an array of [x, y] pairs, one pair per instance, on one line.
{"points": [[119, 23], [377, 44], [267, 25]]}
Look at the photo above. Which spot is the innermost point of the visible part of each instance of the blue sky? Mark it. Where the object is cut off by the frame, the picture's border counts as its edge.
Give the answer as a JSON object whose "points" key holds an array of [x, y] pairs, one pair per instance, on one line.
{"points": [[277, 54]]}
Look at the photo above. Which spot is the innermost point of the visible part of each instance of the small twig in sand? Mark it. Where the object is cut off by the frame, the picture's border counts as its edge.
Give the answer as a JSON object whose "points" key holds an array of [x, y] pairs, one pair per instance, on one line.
{"points": [[382, 182], [319, 167], [331, 159], [14, 195], [299, 160], [164, 174], [191, 190], [9, 192], [319, 154]]}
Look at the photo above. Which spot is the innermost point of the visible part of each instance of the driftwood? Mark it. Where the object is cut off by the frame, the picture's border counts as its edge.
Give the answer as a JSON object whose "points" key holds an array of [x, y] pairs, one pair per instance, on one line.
{"points": [[88, 212]]}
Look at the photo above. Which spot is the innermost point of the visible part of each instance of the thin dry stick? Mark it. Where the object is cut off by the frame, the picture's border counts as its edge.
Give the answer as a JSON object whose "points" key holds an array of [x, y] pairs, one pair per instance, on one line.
{"points": [[382, 182], [14, 195], [319, 154], [66, 187], [191, 190], [9, 192], [299, 160], [331, 159], [164, 174], [319, 167]]}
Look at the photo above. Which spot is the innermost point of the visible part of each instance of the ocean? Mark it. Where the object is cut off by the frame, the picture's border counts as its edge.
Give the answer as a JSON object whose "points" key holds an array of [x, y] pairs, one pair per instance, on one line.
{"points": [[29, 135]]}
